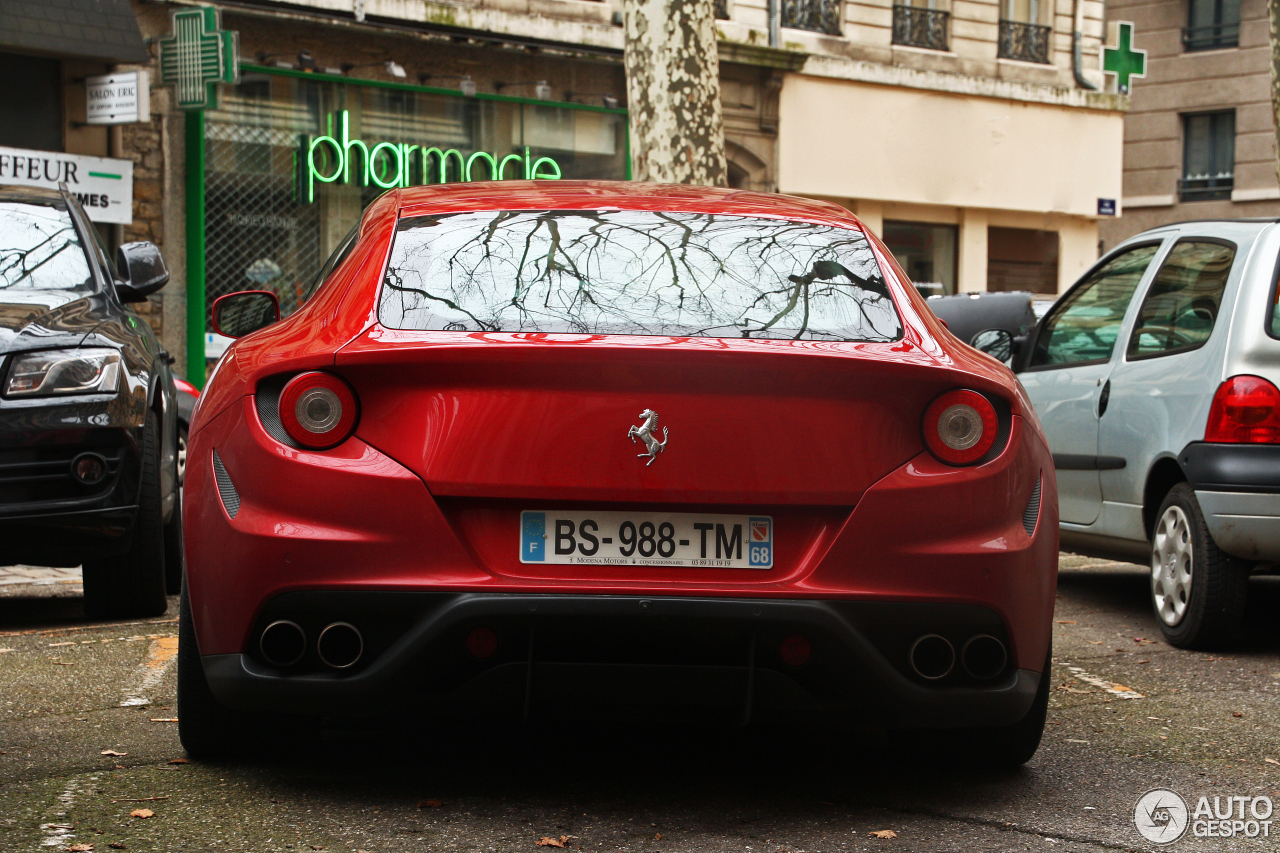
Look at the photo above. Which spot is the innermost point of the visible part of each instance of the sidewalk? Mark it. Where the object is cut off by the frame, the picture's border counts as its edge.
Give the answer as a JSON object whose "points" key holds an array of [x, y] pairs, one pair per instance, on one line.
{"points": [[10, 575]]}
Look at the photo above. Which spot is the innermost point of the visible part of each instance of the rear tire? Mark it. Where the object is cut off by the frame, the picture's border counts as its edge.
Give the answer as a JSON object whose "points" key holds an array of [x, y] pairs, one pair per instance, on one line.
{"points": [[132, 585], [1198, 593], [206, 727]]}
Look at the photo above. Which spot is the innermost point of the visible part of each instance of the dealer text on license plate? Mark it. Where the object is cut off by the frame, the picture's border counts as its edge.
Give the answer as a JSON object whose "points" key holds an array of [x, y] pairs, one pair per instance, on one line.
{"points": [[647, 539]]}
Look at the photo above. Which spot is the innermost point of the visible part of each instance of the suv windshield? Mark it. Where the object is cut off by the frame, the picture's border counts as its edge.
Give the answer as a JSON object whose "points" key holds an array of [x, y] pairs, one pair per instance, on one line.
{"points": [[39, 249], [636, 273]]}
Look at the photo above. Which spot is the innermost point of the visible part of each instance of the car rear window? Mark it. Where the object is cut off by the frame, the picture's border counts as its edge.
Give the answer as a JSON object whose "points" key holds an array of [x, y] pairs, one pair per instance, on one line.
{"points": [[39, 249], [636, 273]]}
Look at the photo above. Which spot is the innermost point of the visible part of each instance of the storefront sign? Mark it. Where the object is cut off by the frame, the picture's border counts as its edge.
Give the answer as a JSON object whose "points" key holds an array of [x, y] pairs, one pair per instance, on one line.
{"points": [[341, 159], [117, 98], [198, 56], [103, 185]]}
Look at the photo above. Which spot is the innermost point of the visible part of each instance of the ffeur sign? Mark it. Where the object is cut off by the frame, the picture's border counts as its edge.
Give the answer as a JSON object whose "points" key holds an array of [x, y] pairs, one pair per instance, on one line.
{"points": [[103, 185], [333, 159]]}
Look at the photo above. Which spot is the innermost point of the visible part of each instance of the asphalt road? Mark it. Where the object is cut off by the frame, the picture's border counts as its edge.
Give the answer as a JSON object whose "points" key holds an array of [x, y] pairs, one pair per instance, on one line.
{"points": [[87, 737]]}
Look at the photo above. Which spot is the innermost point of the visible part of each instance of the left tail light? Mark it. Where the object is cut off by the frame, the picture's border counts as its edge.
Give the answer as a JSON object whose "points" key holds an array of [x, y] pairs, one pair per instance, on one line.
{"points": [[318, 410], [1246, 409], [960, 427]]}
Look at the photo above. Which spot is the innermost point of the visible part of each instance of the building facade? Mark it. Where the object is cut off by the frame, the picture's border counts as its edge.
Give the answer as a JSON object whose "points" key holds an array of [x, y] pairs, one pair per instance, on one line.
{"points": [[976, 136], [1200, 138]]}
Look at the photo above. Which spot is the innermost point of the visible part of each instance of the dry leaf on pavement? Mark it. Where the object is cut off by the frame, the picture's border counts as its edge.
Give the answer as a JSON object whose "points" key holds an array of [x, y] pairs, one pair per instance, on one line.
{"points": [[112, 752], [80, 848], [1271, 761], [562, 841], [429, 804], [884, 833], [180, 761], [164, 719], [142, 813]]}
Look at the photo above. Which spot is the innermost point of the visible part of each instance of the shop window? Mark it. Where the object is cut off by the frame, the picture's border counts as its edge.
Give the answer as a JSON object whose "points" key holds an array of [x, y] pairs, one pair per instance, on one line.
{"points": [[1208, 156], [927, 252], [1022, 259], [31, 102], [1212, 24], [920, 23], [819, 16], [1181, 307], [1024, 34]]}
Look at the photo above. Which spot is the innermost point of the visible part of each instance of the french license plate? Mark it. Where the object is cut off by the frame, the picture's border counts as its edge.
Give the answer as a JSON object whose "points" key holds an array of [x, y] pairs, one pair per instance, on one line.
{"points": [[647, 539]]}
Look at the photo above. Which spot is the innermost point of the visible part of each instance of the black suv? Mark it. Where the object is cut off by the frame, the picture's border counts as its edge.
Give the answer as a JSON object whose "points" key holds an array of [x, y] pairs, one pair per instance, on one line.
{"points": [[88, 416]]}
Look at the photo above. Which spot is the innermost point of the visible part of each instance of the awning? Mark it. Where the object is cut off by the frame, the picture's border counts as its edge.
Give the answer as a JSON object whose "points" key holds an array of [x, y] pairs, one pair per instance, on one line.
{"points": [[104, 30]]}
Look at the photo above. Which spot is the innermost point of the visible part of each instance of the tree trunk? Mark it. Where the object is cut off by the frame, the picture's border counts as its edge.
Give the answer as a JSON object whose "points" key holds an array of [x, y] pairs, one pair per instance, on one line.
{"points": [[673, 92], [1273, 11]]}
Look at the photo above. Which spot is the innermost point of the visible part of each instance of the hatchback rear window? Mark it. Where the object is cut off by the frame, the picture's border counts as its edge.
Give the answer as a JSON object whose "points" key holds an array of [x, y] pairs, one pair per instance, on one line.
{"points": [[636, 273]]}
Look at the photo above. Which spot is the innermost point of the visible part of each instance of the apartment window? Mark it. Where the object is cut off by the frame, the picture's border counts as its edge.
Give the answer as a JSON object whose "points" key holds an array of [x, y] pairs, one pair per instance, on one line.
{"points": [[1208, 156], [722, 10], [1023, 35], [920, 23], [1212, 24], [819, 16]]}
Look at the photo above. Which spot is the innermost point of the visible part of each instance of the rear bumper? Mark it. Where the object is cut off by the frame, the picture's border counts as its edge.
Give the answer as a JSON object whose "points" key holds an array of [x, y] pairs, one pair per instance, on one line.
{"points": [[568, 654], [1238, 487]]}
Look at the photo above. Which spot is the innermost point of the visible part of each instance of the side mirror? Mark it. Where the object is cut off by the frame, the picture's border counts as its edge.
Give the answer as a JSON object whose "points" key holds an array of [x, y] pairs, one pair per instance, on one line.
{"points": [[237, 314], [996, 343], [143, 269]]}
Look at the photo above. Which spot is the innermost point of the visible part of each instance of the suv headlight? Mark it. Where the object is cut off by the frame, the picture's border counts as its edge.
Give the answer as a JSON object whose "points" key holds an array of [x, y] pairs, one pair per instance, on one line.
{"points": [[77, 371]]}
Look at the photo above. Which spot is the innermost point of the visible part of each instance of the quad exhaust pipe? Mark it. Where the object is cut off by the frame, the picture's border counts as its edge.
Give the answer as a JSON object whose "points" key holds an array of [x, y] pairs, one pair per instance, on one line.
{"points": [[933, 657], [283, 643]]}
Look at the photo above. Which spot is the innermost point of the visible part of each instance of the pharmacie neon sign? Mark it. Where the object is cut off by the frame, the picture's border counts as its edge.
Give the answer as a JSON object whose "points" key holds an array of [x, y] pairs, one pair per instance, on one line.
{"points": [[397, 164]]}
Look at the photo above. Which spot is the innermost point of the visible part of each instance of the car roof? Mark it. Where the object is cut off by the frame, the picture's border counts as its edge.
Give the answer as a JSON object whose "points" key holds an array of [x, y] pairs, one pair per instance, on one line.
{"points": [[627, 195], [17, 192]]}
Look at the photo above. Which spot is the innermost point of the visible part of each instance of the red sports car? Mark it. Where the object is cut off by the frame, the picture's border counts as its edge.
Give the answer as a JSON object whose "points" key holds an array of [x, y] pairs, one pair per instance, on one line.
{"points": [[547, 448]]}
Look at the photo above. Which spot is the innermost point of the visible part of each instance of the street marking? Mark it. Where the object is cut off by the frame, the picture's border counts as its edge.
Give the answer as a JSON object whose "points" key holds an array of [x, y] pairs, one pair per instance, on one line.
{"points": [[160, 657], [1109, 686], [56, 832]]}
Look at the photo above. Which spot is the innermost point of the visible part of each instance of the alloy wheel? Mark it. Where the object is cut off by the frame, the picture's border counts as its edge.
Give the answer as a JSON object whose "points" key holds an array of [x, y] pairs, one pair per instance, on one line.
{"points": [[1171, 565]]}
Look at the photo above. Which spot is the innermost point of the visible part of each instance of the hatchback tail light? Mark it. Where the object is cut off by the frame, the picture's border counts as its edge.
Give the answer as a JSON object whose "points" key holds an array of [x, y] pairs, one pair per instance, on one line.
{"points": [[1246, 410], [960, 427], [318, 410]]}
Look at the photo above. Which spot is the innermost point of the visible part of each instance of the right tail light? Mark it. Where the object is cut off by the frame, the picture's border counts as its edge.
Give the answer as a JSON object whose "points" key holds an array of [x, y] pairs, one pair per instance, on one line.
{"points": [[318, 410], [960, 427], [1245, 410]]}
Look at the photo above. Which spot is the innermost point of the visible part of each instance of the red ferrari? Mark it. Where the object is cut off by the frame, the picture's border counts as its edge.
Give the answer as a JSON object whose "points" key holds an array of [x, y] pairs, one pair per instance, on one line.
{"points": [[545, 448]]}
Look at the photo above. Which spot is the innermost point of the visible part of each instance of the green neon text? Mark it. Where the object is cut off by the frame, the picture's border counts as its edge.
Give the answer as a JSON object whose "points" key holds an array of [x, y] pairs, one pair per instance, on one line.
{"points": [[342, 159]]}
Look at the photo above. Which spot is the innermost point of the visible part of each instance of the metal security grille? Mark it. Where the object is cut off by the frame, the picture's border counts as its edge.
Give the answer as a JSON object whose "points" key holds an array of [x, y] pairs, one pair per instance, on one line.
{"points": [[258, 235], [820, 16], [920, 27]]}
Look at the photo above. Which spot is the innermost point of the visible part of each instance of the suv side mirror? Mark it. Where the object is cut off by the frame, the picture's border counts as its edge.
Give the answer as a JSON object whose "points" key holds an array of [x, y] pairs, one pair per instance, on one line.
{"points": [[996, 343], [143, 269], [237, 314]]}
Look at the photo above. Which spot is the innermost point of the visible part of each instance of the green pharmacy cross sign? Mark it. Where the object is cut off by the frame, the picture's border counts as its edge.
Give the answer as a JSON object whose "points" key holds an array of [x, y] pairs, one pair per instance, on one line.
{"points": [[197, 57], [1122, 60]]}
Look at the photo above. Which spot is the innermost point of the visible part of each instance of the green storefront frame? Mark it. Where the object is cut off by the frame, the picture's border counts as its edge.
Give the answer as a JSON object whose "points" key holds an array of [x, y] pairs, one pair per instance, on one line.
{"points": [[197, 163]]}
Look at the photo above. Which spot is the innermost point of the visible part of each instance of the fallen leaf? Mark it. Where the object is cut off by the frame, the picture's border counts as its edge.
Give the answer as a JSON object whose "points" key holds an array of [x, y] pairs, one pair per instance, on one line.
{"points": [[62, 663], [562, 841], [884, 833], [80, 848], [181, 761], [1122, 688], [657, 836], [429, 804], [1236, 714], [164, 719], [142, 813], [112, 752], [1145, 661], [1095, 642], [1067, 622], [1271, 761]]}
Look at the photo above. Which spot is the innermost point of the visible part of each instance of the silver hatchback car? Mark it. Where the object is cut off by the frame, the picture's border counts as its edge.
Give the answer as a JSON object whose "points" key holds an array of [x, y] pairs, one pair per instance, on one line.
{"points": [[1156, 378]]}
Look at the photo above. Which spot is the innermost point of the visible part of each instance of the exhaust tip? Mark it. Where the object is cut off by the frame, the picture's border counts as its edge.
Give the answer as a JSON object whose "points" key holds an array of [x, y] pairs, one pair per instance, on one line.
{"points": [[984, 657], [340, 645], [282, 643], [932, 657]]}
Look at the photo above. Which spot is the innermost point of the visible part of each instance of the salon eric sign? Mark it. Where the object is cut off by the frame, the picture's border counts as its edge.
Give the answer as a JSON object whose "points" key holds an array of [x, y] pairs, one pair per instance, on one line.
{"points": [[339, 159]]}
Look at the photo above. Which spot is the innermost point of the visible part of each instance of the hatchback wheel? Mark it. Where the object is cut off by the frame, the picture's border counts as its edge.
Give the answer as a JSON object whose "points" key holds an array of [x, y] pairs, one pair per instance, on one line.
{"points": [[1197, 591]]}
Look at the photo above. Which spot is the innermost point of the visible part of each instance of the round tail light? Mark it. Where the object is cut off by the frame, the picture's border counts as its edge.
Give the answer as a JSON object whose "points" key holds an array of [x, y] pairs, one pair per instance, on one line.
{"points": [[960, 427], [318, 410]]}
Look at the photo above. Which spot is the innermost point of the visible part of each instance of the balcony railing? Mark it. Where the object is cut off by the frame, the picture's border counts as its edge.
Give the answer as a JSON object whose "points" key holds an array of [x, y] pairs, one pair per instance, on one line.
{"points": [[1027, 42], [820, 16], [1211, 37], [919, 27], [1205, 188]]}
